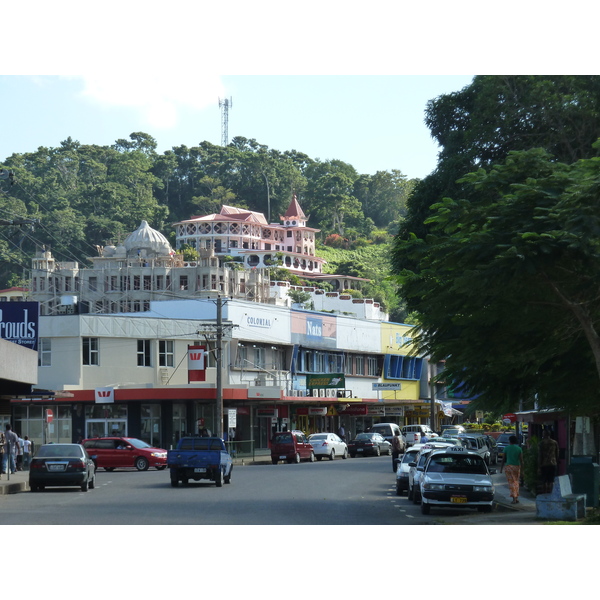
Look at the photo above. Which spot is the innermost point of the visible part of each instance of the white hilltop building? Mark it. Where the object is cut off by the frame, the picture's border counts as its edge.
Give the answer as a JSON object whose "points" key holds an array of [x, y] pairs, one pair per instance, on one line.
{"points": [[236, 248]]}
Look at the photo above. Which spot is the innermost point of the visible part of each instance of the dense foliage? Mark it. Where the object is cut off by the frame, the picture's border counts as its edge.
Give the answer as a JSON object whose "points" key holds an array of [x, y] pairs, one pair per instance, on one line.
{"points": [[499, 254], [74, 197]]}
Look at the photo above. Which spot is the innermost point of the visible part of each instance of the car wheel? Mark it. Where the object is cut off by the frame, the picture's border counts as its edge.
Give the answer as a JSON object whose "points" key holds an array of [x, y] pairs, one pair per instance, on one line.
{"points": [[425, 508], [389, 452], [319, 457], [93, 482], [141, 463], [274, 461], [485, 509], [332, 455], [34, 488], [416, 497], [174, 482], [109, 468], [398, 490], [378, 451], [345, 455], [353, 455], [410, 493], [220, 478], [161, 467], [185, 481], [297, 458], [85, 486], [228, 478], [312, 457]]}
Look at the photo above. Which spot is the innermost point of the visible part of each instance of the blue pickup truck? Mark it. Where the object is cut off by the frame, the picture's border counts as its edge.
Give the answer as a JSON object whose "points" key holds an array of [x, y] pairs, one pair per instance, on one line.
{"points": [[200, 458]]}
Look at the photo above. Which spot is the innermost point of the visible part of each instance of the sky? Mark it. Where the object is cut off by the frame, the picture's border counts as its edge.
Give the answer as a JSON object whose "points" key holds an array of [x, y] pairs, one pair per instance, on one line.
{"points": [[373, 122]]}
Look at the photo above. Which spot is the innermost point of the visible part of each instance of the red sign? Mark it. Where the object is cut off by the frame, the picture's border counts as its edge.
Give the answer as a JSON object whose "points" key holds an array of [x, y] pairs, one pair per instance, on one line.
{"points": [[49, 415], [196, 363], [353, 410], [510, 417]]}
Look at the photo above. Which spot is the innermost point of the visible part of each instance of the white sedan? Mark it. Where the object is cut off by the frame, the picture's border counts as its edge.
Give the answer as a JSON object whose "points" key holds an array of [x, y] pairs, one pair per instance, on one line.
{"points": [[329, 445]]}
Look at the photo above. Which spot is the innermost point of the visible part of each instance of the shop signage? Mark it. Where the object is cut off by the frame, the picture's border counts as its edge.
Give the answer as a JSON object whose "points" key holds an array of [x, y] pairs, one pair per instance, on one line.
{"points": [[326, 381], [317, 411], [394, 411], [376, 411], [196, 363], [353, 410], [104, 395], [272, 413], [19, 323], [387, 386], [232, 417]]}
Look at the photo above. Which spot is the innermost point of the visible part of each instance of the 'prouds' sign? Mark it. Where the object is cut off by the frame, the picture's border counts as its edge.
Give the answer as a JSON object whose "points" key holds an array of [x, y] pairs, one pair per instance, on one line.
{"points": [[196, 363]]}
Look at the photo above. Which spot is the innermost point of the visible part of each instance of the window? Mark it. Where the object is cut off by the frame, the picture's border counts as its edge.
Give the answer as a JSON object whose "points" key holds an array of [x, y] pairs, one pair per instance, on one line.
{"points": [[183, 282], [166, 355], [402, 367], [348, 364], [143, 353], [91, 354], [359, 362], [44, 355], [372, 368], [93, 284]]}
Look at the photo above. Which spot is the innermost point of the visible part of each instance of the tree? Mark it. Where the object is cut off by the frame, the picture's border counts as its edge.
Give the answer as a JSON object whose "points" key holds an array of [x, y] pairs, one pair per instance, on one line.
{"points": [[507, 288]]}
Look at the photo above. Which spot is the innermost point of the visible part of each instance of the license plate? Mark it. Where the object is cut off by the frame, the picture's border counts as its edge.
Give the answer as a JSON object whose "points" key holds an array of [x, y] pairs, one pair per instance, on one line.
{"points": [[199, 470], [56, 467], [359, 449], [458, 499], [283, 457]]}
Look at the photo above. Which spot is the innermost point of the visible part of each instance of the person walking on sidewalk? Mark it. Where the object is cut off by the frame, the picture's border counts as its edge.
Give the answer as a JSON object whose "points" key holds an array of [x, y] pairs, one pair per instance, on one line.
{"points": [[10, 449], [547, 461], [512, 461]]}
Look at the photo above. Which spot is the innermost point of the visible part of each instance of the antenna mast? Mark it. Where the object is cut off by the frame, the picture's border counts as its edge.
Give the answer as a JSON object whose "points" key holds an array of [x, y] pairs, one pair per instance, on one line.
{"points": [[224, 105]]}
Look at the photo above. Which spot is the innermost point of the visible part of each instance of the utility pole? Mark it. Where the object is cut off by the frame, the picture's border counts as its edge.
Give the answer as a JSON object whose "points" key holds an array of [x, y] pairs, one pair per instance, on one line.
{"points": [[432, 393], [216, 332], [225, 105]]}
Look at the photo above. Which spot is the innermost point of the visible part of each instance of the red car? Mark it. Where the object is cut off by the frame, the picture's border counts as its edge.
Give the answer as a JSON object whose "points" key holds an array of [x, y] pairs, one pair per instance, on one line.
{"points": [[122, 452], [291, 446]]}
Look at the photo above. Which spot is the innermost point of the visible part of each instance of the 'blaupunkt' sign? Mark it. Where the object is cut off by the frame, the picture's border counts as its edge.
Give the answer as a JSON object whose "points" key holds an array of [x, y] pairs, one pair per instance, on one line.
{"points": [[19, 323]]}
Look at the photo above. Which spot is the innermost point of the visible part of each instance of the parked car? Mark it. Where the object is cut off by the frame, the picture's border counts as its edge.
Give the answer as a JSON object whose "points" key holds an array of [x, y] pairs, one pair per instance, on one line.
{"points": [[369, 443], [388, 431], [414, 433], [493, 446], [291, 446], [112, 453], [417, 465], [452, 430], [403, 467], [329, 445], [477, 442], [456, 477], [61, 465]]}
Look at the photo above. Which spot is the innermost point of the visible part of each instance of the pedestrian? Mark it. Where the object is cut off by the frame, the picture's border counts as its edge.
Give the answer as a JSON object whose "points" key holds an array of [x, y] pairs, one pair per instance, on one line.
{"points": [[26, 453], [547, 461], [397, 449], [10, 449], [2, 444], [424, 438], [342, 432], [19, 453], [512, 460]]}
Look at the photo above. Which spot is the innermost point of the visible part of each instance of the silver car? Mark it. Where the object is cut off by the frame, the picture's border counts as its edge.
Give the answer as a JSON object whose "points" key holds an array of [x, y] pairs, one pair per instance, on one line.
{"points": [[329, 445]]}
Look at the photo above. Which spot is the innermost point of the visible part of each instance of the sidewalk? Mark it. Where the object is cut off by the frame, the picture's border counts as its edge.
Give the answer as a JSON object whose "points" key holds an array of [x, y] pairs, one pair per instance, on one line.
{"points": [[14, 483], [504, 500]]}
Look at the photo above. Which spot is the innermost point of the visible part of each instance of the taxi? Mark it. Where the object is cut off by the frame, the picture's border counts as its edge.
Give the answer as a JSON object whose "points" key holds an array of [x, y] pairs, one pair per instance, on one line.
{"points": [[416, 466], [456, 477]]}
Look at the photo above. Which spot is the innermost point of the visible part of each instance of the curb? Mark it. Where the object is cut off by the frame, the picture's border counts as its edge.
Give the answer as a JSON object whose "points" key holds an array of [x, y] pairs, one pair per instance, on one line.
{"points": [[14, 488]]}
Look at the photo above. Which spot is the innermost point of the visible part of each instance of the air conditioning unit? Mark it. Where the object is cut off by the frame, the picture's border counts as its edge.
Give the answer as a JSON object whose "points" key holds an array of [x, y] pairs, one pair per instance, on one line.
{"points": [[331, 393]]}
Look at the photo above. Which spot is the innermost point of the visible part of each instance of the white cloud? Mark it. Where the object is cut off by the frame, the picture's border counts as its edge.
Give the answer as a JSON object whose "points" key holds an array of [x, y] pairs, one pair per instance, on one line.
{"points": [[159, 97]]}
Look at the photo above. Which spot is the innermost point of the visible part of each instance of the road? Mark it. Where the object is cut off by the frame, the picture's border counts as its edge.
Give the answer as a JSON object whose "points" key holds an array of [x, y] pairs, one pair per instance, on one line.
{"points": [[358, 491]]}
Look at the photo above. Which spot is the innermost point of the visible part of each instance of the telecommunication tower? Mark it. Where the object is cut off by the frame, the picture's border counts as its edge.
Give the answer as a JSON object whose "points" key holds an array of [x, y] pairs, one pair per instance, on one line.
{"points": [[225, 105]]}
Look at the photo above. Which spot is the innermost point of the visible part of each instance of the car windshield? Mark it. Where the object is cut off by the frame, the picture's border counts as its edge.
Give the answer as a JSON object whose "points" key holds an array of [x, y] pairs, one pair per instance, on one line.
{"points": [[282, 438], [318, 436], [364, 436], [59, 451], [446, 463], [138, 443], [503, 439], [409, 457]]}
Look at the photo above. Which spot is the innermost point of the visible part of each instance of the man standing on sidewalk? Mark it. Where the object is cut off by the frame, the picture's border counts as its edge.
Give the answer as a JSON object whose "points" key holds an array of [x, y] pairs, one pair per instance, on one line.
{"points": [[11, 449], [547, 461]]}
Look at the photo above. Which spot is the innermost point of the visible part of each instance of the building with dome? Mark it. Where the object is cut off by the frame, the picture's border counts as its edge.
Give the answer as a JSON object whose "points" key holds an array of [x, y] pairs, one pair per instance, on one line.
{"points": [[127, 277]]}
